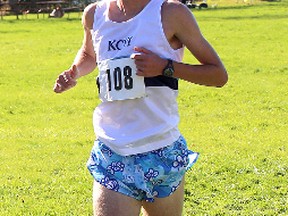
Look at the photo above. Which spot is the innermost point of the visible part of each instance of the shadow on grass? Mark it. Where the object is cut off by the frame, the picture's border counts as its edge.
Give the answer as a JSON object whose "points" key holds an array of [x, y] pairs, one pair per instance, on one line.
{"points": [[263, 17], [247, 16], [32, 17], [14, 31]]}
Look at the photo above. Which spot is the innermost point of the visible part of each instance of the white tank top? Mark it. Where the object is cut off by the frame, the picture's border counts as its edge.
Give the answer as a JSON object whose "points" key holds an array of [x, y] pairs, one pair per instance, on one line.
{"points": [[136, 115]]}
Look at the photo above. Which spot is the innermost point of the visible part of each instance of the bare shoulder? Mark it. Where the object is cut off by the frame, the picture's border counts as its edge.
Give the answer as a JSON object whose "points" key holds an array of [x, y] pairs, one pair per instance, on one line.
{"points": [[177, 15], [88, 15], [176, 8], [180, 19], [179, 22]]}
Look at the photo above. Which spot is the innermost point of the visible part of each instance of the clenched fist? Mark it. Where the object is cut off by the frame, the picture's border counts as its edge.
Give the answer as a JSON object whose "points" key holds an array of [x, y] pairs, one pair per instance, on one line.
{"points": [[66, 80]]}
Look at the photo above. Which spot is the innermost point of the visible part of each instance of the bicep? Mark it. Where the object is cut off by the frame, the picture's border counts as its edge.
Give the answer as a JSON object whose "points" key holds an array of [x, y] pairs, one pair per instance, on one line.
{"points": [[87, 21]]}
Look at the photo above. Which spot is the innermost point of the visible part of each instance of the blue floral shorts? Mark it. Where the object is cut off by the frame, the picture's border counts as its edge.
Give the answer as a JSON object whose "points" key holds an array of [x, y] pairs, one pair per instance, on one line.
{"points": [[143, 176]]}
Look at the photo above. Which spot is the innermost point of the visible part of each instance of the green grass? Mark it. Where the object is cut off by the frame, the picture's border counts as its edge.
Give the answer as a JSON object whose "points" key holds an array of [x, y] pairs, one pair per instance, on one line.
{"points": [[240, 130]]}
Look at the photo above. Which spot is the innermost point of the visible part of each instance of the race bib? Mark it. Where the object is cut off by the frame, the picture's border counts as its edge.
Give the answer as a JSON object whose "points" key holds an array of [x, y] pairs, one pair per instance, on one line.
{"points": [[117, 80]]}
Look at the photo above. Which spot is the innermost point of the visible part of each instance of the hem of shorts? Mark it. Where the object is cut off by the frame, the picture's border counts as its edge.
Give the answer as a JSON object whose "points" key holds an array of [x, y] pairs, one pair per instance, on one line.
{"points": [[152, 199], [147, 199], [98, 180]]}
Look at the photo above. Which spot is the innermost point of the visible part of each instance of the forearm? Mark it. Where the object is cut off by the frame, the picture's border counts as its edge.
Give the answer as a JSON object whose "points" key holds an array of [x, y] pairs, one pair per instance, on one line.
{"points": [[84, 62], [207, 74]]}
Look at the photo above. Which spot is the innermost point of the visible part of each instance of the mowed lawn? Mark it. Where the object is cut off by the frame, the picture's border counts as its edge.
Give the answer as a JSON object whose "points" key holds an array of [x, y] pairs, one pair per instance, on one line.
{"points": [[240, 130]]}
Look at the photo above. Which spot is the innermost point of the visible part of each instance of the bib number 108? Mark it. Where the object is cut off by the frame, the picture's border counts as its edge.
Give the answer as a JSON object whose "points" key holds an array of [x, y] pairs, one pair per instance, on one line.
{"points": [[121, 78]]}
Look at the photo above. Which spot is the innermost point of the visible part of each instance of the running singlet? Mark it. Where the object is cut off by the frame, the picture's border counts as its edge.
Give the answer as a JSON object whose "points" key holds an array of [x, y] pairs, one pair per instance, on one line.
{"points": [[136, 114]]}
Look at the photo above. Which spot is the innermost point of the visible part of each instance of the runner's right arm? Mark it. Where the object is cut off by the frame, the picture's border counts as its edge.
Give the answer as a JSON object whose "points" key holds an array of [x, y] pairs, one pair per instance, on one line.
{"points": [[85, 60]]}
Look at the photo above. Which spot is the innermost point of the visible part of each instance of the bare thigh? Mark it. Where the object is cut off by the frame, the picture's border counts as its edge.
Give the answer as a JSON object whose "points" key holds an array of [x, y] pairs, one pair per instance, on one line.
{"points": [[168, 206], [110, 203]]}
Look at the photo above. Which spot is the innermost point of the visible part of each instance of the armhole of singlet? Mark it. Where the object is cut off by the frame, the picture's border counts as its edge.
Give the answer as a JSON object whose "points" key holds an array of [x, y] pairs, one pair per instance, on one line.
{"points": [[100, 5], [172, 50]]}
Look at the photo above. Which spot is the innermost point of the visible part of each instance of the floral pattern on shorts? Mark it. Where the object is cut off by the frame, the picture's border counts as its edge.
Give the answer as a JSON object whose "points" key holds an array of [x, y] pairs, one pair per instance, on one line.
{"points": [[142, 176]]}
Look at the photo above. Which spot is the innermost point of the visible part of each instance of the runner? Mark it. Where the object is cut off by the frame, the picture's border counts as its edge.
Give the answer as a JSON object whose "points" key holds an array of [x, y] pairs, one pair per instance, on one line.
{"points": [[139, 158]]}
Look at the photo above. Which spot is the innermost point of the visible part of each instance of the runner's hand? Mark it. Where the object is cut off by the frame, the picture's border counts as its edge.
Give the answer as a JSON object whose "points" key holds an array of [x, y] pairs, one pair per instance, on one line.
{"points": [[66, 80], [148, 64]]}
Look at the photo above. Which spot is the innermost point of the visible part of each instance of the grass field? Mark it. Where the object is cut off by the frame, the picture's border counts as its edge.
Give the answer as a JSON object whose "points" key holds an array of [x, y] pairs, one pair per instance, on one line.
{"points": [[240, 130]]}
